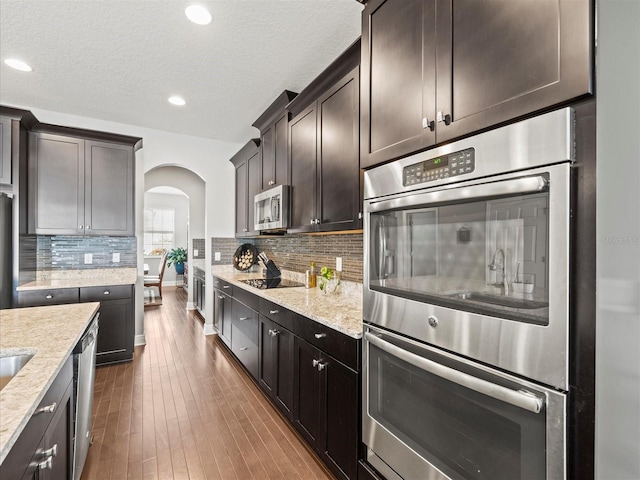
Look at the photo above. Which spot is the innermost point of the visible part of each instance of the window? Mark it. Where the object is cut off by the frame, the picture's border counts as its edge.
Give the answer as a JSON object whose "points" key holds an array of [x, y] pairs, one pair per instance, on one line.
{"points": [[159, 226]]}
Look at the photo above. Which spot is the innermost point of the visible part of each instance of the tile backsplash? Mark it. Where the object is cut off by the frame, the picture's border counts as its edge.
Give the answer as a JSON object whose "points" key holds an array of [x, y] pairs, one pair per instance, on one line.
{"points": [[67, 252], [198, 244], [296, 252]]}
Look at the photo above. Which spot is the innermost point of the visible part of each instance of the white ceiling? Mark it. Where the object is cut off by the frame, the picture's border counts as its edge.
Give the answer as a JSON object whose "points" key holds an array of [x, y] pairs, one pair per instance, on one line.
{"points": [[120, 60]]}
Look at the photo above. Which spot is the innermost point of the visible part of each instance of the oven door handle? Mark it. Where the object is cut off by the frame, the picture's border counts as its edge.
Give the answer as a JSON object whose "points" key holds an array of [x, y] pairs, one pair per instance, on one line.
{"points": [[515, 186], [520, 398]]}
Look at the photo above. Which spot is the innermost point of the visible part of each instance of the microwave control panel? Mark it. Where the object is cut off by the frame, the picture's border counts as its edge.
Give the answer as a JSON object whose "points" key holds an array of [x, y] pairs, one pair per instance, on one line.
{"points": [[437, 168]]}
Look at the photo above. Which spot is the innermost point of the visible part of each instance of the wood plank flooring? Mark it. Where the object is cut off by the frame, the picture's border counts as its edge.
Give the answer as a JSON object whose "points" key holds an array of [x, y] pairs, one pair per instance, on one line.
{"points": [[184, 409]]}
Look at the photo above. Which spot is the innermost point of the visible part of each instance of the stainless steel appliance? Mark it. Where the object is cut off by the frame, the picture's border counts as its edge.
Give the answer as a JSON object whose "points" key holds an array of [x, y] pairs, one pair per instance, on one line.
{"points": [[271, 209], [466, 306], [6, 279], [84, 365]]}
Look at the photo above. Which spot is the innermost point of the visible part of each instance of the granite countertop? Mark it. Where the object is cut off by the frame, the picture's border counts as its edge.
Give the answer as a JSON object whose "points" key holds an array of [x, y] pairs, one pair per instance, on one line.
{"points": [[342, 312], [95, 277], [50, 333], [198, 263]]}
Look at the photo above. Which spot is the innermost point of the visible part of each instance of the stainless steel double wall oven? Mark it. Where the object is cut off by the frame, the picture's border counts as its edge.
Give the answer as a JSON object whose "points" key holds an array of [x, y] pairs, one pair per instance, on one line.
{"points": [[466, 306]]}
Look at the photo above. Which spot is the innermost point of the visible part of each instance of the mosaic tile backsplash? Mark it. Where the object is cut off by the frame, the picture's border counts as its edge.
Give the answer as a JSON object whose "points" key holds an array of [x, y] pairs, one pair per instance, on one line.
{"points": [[296, 252], [198, 244], [67, 252]]}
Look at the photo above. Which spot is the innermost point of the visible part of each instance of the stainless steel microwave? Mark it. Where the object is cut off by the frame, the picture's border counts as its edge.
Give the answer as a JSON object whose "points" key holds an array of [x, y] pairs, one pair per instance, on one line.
{"points": [[271, 209]]}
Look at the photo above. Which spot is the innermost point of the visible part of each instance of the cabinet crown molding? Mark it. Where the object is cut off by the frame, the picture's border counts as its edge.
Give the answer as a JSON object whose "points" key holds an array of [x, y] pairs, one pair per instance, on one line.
{"points": [[245, 152], [274, 110]]}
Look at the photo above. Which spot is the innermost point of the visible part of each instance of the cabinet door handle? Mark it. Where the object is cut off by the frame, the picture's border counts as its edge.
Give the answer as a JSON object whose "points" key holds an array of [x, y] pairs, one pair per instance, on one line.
{"points": [[317, 221], [244, 348], [444, 118], [359, 215], [273, 312], [81, 227], [243, 318], [320, 335], [52, 452], [88, 227], [220, 297], [315, 363], [274, 333], [49, 297], [46, 465], [321, 366], [48, 408], [312, 221], [428, 124]]}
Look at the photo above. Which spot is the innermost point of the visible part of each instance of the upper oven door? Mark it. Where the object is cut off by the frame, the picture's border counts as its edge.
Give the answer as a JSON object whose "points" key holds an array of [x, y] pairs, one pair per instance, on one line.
{"points": [[480, 268]]}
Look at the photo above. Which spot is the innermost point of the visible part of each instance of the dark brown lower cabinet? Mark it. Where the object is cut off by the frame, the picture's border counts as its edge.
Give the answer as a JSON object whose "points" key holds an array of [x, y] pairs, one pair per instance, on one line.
{"points": [[117, 327], [276, 364], [44, 449], [326, 407]]}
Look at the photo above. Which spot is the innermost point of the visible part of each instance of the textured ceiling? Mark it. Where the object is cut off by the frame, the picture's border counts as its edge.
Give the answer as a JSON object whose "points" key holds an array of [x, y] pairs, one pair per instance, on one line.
{"points": [[120, 60]]}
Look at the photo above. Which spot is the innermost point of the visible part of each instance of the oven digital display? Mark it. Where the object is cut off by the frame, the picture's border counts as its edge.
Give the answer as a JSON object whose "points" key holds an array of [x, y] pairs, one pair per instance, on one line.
{"points": [[439, 168]]}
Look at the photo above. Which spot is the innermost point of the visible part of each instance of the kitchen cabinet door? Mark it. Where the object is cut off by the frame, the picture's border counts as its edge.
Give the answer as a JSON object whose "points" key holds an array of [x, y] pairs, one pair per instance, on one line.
{"points": [[58, 439], [254, 184], [223, 316], [281, 146], [338, 202], [109, 177], [56, 184], [5, 150], [303, 154], [500, 59], [248, 167], [309, 410], [398, 79], [276, 364], [241, 200]]}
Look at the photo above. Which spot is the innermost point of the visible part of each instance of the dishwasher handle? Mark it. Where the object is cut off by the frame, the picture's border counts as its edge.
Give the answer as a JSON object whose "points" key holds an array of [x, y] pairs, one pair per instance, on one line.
{"points": [[89, 336]]}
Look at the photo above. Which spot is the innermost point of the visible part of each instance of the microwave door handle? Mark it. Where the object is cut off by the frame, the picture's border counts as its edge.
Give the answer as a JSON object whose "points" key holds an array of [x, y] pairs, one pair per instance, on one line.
{"points": [[522, 399]]}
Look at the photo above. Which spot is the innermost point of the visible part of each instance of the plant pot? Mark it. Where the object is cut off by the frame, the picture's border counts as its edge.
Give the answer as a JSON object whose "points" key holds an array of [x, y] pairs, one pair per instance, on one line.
{"points": [[179, 268]]}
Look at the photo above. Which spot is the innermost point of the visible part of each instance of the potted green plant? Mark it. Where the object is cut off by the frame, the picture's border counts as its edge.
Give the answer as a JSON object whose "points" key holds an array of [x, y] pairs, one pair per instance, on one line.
{"points": [[177, 257]]}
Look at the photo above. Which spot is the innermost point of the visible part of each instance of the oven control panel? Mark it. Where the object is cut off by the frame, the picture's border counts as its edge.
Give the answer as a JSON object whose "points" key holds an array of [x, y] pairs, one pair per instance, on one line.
{"points": [[437, 168]]}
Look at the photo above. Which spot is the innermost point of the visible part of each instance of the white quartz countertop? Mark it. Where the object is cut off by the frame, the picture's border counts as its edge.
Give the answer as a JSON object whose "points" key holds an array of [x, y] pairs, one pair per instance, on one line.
{"points": [[97, 277], [49, 332], [342, 312]]}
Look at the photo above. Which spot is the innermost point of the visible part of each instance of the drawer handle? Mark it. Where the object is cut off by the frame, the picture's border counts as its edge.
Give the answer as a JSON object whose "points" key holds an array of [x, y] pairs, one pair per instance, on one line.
{"points": [[48, 408], [243, 318], [274, 333], [273, 312], [244, 348], [225, 286], [49, 297], [106, 292], [220, 297], [320, 335]]}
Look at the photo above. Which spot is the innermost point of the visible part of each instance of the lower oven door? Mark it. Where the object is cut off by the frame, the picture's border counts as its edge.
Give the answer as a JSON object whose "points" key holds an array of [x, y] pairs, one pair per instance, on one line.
{"points": [[430, 415]]}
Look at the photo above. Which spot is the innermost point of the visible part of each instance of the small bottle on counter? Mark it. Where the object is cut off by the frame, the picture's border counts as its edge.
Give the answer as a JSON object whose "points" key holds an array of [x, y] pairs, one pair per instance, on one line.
{"points": [[310, 276]]}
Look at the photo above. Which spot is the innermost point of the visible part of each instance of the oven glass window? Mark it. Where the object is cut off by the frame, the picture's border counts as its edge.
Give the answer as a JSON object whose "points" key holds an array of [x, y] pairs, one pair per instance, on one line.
{"points": [[465, 434], [485, 256]]}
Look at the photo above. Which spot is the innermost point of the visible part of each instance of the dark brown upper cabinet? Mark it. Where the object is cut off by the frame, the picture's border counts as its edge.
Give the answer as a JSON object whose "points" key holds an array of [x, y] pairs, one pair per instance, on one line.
{"points": [[324, 150], [435, 70], [14, 126], [81, 183], [274, 133], [248, 183]]}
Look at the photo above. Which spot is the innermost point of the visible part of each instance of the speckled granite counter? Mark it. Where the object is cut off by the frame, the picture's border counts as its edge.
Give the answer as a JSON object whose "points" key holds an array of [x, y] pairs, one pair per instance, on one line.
{"points": [[96, 277], [49, 332], [341, 312], [198, 263]]}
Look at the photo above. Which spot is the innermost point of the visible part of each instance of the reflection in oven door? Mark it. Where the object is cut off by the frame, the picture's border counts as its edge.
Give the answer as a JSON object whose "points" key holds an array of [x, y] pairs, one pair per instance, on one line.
{"points": [[432, 415]]}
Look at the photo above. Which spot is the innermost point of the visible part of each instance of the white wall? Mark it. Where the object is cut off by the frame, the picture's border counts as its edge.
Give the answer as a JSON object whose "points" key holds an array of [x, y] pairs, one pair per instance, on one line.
{"points": [[618, 241], [209, 159], [180, 203]]}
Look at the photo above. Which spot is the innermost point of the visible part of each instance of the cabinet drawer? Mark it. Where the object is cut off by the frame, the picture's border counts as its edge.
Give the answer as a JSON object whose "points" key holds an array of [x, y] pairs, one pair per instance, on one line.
{"points": [[54, 296], [223, 286], [245, 349], [340, 346], [245, 320], [277, 314], [248, 298], [109, 292]]}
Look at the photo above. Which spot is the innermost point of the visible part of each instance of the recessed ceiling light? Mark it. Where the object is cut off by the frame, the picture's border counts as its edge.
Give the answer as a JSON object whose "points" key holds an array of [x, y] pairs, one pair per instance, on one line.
{"points": [[198, 14], [18, 64], [177, 101]]}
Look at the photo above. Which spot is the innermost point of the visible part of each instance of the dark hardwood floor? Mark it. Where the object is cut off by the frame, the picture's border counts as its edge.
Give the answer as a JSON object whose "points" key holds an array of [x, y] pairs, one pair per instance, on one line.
{"points": [[184, 409]]}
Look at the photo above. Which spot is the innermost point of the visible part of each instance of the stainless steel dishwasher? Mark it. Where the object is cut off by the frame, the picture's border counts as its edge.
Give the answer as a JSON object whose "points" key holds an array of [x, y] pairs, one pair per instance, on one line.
{"points": [[84, 374]]}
